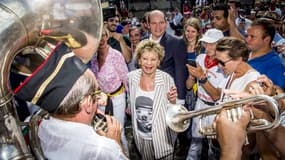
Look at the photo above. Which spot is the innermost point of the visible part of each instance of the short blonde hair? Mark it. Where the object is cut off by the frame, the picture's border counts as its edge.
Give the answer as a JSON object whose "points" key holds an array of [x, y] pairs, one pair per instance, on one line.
{"points": [[149, 45]]}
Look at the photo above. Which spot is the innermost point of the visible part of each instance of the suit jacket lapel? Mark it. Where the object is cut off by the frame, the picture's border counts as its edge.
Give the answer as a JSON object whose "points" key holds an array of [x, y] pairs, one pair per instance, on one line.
{"points": [[163, 39]]}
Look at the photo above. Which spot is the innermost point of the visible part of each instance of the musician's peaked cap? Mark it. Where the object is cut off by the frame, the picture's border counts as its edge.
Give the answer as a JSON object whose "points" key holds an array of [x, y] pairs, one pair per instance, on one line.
{"points": [[52, 80]]}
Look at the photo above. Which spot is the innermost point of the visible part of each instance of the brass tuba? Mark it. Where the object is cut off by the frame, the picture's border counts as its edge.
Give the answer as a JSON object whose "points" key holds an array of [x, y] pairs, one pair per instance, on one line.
{"points": [[21, 26], [178, 118]]}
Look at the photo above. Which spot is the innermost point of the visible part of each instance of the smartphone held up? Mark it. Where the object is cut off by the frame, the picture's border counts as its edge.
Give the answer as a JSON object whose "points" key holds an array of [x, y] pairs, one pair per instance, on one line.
{"points": [[192, 62]]}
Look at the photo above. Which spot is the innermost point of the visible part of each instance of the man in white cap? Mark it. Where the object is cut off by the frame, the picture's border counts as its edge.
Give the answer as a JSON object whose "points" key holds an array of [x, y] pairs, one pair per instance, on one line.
{"points": [[208, 75]]}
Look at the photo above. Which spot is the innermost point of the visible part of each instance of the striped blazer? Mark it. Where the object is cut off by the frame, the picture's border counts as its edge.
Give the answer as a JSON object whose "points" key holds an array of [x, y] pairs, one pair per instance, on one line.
{"points": [[163, 137]]}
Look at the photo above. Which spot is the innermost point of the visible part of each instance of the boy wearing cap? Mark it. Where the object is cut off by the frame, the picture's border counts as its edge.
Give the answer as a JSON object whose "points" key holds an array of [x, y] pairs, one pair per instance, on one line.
{"points": [[208, 75], [67, 89]]}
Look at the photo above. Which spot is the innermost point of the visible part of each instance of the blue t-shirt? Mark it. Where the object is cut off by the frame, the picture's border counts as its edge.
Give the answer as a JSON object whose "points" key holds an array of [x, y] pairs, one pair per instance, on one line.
{"points": [[270, 65]]}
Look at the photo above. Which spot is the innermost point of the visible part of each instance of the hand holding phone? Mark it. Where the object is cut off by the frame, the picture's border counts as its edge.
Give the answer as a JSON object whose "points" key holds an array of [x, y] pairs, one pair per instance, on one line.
{"points": [[192, 62]]}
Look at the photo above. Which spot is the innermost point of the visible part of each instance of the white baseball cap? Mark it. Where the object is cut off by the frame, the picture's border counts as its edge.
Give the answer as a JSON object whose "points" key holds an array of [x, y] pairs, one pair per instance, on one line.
{"points": [[212, 35]]}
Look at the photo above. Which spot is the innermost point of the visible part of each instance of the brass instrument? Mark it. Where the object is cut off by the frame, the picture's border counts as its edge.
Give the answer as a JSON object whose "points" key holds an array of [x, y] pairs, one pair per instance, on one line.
{"points": [[21, 23], [178, 118], [99, 123], [33, 133]]}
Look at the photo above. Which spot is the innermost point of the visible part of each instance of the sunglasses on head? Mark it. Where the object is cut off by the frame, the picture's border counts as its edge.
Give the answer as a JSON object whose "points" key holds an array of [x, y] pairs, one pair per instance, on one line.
{"points": [[223, 63]]}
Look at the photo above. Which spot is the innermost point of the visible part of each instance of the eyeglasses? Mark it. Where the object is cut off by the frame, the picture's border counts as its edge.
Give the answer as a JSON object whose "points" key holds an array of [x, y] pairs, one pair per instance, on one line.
{"points": [[95, 96], [223, 63]]}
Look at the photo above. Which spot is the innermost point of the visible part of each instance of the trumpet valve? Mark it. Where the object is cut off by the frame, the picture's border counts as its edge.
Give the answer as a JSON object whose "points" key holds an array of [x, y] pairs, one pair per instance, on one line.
{"points": [[208, 131], [258, 122], [99, 123]]}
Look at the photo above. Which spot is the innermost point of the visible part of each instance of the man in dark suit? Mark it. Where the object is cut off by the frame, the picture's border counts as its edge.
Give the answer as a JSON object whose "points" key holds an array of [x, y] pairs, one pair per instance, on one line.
{"points": [[174, 62]]}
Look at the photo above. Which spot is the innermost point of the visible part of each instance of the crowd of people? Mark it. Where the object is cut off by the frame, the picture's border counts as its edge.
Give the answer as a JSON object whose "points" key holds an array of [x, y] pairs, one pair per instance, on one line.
{"points": [[143, 67]]}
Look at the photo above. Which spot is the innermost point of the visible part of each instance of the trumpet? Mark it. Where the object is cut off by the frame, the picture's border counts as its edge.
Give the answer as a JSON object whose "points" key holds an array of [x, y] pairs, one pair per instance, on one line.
{"points": [[178, 118]]}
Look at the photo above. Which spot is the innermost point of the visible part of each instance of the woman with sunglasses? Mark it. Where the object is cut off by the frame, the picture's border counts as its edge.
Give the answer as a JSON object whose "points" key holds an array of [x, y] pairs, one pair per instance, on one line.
{"points": [[232, 55]]}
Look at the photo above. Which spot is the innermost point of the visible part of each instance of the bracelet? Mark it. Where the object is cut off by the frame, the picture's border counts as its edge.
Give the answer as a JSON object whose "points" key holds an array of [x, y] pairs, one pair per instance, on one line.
{"points": [[203, 80]]}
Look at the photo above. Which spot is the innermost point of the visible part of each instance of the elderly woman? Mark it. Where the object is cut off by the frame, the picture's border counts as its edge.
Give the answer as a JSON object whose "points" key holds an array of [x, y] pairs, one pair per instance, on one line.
{"points": [[150, 93], [111, 71]]}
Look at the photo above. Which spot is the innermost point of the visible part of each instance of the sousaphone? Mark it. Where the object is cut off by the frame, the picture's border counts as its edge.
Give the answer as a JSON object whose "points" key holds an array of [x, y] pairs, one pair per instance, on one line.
{"points": [[23, 48]]}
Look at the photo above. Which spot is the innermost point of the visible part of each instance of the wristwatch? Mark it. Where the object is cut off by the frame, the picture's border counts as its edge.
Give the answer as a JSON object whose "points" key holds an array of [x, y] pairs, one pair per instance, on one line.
{"points": [[203, 80]]}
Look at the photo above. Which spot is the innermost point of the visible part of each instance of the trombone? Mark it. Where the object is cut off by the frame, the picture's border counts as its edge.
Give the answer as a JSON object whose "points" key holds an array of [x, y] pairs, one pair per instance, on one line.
{"points": [[178, 118]]}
